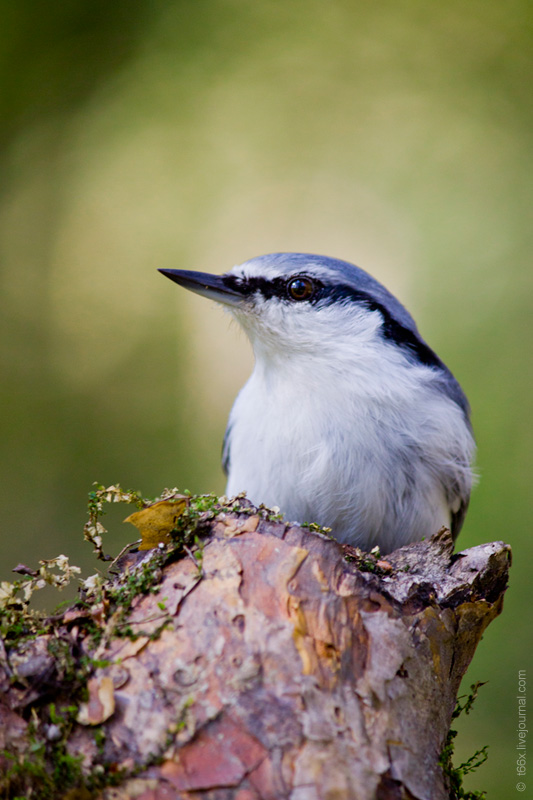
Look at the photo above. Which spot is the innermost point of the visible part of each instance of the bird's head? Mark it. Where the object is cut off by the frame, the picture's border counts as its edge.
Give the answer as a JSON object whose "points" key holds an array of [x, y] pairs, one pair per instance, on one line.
{"points": [[322, 314], [296, 302]]}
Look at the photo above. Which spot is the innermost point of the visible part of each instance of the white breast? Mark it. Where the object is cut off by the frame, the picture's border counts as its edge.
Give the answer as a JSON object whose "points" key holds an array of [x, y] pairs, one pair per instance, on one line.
{"points": [[368, 448]]}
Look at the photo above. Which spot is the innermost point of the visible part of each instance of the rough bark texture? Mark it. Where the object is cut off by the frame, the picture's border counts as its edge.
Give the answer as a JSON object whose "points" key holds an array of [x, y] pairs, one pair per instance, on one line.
{"points": [[283, 671]]}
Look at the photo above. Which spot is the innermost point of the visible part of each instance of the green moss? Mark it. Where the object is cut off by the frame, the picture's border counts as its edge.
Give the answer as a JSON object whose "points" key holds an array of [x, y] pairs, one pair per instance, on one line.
{"points": [[46, 771], [100, 737], [314, 528], [365, 562], [455, 775]]}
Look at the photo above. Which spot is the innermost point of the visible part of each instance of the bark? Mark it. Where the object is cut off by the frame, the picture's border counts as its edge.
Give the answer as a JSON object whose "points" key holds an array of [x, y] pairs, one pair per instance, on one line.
{"points": [[282, 669]]}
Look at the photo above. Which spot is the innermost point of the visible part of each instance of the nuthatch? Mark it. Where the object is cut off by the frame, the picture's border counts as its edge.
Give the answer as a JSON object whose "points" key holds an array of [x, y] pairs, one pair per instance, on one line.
{"points": [[348, 419]]}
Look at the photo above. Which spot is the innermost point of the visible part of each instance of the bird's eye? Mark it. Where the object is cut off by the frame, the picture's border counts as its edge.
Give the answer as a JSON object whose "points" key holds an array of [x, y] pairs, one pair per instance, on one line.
{"points": [[300, 288]]}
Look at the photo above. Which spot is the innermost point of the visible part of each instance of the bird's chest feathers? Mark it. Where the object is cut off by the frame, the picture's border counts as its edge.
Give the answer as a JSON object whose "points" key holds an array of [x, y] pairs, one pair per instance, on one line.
{"points": [[308, 423]]}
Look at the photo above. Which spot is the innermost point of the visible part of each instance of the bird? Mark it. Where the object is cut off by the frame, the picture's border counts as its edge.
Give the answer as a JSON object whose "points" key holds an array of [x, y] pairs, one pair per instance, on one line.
{"points": [[349, 420]]}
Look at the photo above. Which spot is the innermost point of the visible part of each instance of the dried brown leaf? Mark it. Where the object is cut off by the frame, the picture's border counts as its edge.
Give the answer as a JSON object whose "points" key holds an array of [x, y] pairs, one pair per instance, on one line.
{"points": [[101, 703], [155, 522]]}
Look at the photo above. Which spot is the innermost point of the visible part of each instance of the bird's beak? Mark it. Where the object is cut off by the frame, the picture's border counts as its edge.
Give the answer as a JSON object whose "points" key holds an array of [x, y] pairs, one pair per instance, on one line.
{"points": [[212, 286]]}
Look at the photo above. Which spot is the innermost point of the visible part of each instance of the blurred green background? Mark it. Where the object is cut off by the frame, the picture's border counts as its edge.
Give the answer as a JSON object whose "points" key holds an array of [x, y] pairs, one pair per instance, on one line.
{"points": [[197, 135]]}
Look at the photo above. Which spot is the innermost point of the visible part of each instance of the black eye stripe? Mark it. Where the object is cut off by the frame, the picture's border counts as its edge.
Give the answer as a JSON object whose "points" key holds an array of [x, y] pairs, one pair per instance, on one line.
{"points": [[250, 286], [277, 287], [327, 294]]}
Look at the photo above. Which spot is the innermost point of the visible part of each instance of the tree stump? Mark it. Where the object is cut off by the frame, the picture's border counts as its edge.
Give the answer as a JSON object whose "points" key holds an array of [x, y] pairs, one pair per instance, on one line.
{"points": [[281, 665]]}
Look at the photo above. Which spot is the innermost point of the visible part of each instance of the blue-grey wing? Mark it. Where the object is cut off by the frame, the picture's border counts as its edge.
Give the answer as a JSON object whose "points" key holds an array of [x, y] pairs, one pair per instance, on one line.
{"points": [[458, 517], [226, 449]]}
